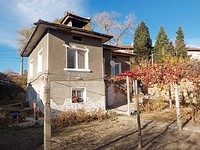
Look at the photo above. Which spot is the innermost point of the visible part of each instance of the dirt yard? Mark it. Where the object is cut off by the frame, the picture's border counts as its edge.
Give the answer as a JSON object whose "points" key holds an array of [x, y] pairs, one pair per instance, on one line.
{"points": [[119, 133]]}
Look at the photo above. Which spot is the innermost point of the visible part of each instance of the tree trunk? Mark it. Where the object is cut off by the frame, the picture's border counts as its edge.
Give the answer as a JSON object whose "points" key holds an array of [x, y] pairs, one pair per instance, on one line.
{"points": [[178, 114], [138, 117]]}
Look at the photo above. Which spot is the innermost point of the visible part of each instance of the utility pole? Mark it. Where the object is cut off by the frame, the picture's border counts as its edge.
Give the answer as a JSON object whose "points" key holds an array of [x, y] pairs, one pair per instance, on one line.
{"points": [[21, 66], [47, 113], [138, 117]]}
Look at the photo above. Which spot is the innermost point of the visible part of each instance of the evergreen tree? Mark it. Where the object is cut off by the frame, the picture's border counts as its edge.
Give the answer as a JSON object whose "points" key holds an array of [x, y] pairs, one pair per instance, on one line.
{"points": [[142, 42], [180, 47], [162, 45]]}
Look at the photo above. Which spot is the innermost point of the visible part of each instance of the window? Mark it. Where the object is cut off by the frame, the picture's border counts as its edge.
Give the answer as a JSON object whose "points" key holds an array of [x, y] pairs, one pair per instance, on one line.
{"points": [[31, 68], [77, 38], [77, 59], [116, 69], [39, 61], [78, 95]]}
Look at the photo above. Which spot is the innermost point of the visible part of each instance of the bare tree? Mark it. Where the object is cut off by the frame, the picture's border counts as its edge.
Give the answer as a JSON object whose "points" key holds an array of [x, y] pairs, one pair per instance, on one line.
{"points": [[24, 35], [108, 23]]}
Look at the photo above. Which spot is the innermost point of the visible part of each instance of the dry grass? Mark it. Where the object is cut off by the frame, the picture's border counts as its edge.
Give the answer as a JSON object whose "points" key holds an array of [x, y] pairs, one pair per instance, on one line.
{"points": [[153, 105], [69, 118]]}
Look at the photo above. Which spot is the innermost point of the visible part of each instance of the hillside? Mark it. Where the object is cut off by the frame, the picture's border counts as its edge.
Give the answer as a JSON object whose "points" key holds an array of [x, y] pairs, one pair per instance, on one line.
{"points": [[12, 88]]}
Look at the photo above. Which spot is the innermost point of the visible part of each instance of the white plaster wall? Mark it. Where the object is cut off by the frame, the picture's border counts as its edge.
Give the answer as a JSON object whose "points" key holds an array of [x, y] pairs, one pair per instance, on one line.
{"points": [[115, 98], [35, 93], [88, 105]]}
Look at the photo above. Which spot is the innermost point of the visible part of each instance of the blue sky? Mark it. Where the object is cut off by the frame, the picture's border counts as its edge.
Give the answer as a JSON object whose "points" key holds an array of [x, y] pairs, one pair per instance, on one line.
{"points": [[16, 14]]}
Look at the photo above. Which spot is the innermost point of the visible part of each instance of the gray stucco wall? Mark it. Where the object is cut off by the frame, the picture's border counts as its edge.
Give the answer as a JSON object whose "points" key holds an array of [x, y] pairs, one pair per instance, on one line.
{"points": [[42, 45], [107, 55], [57, 57], [124, 60], [61, 95], [63, 81], [35, 87]]}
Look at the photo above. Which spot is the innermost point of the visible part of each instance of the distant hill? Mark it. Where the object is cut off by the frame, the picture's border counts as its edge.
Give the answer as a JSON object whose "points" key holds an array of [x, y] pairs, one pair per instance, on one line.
{"points": [[12, 88]]}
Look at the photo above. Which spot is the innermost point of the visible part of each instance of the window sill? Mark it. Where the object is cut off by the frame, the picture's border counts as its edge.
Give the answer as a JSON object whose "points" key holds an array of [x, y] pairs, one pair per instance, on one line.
{"points": [[77, 70], [39, 72]]}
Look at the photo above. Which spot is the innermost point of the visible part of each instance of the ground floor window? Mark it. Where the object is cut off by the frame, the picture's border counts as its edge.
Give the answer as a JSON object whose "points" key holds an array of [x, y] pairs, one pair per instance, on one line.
{"points": [[78, 95]]}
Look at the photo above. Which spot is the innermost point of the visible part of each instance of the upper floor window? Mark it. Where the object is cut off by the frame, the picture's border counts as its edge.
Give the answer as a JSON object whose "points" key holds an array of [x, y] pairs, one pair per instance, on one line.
{"points": [[116, 69], [77, 59], [31, 68], [39, 67]]}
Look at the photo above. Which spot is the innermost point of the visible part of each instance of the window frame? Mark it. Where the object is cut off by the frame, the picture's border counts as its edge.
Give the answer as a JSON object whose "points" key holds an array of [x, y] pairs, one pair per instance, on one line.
{"points": [[86, 60], [83, 93], [31, 69], [39, 62], [120, 69]]}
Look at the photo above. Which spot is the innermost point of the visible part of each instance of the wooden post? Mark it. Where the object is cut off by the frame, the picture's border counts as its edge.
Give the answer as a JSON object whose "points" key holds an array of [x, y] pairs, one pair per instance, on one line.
{"points": [[178, 114], [128, 95], [170, 95], [47, 114], [138, 117]]}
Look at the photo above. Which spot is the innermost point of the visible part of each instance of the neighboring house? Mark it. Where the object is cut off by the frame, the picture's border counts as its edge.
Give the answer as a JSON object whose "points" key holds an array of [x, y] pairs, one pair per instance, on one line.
{"points": [[194, 52], [117, 59], [76, 61]]}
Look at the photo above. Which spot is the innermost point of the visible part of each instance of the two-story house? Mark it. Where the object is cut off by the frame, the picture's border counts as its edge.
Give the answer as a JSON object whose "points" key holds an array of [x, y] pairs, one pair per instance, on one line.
{"points": [[76, 61]]}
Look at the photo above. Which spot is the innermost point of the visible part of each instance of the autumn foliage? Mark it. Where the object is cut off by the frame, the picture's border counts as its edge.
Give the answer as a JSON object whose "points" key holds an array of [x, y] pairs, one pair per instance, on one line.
{"points": [[162, 74]]}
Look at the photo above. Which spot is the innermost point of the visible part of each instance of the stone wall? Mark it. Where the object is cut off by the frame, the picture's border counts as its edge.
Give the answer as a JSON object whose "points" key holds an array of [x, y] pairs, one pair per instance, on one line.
{"points": [[188, 93]]}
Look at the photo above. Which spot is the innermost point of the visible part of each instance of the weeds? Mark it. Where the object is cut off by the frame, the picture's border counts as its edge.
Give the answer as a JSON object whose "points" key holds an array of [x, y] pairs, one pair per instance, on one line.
{"points": [[69, 118]]}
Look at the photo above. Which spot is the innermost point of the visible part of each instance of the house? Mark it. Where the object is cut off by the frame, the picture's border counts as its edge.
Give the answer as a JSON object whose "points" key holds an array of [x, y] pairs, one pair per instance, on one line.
{"points": [[117, 59], [194, 52], [76, 61]]}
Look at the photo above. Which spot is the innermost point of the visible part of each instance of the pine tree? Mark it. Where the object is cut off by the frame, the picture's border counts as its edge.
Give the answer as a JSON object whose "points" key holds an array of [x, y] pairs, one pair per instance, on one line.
{"points": [[180, 47], [142, 42], [162, 45]]}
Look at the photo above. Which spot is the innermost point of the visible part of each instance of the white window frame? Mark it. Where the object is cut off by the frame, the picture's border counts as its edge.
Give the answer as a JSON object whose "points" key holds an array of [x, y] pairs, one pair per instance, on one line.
{"points": [[114, 69], [83, 90], [86, 50], [39, 65], [31, 68]]}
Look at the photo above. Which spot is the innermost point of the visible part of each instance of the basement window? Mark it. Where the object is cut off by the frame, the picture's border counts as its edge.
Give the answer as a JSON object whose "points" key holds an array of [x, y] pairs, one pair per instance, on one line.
{"points": [[78, 95], [77, 38]]}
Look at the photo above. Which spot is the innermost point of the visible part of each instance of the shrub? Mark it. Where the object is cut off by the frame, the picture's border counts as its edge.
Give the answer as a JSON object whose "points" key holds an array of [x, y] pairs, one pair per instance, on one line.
{"points": [[154, 105], [69, 118]]}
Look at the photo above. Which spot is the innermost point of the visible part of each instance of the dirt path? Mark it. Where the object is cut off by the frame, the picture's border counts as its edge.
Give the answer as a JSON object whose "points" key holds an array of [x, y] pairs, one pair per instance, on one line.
{"points": [[115, 134], [122, 134]]}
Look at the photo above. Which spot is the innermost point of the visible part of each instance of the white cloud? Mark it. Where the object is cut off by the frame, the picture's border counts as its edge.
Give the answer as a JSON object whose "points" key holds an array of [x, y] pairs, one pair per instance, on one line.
{"points": [[194, 42], [32, 10]]}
